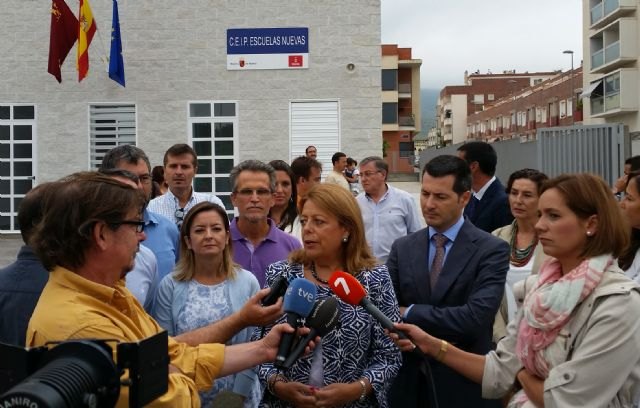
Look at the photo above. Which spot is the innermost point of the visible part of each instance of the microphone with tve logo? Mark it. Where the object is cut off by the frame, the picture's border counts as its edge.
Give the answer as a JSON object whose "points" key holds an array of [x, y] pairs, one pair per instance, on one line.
{"points": [[298, 302], [323, 318], [352, 292]]}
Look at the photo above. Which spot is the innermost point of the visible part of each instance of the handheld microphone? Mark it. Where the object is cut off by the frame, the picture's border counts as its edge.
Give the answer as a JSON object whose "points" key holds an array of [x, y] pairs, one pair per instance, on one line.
{"points": [[298, 302], [323, 318], [352, 292], [278, 288]]}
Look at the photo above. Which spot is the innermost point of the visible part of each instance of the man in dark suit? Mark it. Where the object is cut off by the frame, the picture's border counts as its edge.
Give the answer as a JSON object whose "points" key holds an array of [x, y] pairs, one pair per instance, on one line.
{"points": [[488, 208], [449, 279]]}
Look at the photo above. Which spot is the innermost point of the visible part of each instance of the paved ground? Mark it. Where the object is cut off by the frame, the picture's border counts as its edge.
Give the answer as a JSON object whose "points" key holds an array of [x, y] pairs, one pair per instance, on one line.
{"points": [[10, 244]]}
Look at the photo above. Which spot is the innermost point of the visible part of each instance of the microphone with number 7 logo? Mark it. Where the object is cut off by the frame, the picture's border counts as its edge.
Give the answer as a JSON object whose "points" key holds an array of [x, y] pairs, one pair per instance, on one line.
{"points": [[351, 291]]}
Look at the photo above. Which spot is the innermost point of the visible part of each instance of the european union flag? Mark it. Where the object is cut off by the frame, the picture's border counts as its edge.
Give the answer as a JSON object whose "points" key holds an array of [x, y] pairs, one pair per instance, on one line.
{"points": [[116, 63]]}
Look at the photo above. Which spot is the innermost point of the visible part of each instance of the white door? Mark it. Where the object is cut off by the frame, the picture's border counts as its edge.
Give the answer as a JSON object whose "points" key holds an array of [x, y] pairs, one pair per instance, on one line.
{"points": [[315, 123], [17, 161]]}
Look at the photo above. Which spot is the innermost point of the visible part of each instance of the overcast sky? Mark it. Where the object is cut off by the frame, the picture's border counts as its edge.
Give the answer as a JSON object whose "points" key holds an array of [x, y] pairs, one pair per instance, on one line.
{"points": [[451, 36]]}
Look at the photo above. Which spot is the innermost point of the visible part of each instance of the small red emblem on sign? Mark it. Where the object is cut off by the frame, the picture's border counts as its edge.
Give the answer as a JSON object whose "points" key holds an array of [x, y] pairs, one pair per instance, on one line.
{"points": [[295, 60]]}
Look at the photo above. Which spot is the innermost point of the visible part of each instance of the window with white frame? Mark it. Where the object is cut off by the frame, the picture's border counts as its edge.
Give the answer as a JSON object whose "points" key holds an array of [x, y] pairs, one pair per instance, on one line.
{"points": [[17, 160], [213, 134], [563, 108], [478, 98], [491, 97], [110, 125], [569, 107]]}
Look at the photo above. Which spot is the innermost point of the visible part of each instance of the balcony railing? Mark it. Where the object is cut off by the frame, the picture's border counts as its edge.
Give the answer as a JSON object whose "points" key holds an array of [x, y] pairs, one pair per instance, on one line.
{"points": [[597, 59], [604, 56], [404, 88], [602, 9], [603, 104], [406, 121]]}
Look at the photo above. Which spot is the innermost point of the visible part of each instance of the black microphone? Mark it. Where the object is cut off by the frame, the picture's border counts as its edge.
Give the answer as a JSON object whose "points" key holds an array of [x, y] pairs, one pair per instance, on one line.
{"points": [[298, 302], [323, 318]]}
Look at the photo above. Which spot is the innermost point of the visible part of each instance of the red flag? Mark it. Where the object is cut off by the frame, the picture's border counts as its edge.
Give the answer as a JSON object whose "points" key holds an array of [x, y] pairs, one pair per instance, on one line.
{"points": [[86, 30], [64, 31]]}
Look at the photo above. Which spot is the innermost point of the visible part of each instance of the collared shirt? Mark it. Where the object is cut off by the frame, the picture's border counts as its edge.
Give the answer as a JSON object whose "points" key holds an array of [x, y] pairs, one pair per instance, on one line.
{"points": [[451, 234], [72, 307], [142, 280], [167, 204], [393, 216], [276, 246], [163, 239], [335, 177], [480, 193], [21, 284]]}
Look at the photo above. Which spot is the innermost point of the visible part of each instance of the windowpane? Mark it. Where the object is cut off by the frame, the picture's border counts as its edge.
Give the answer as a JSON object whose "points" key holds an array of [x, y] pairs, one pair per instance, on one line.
{"points": [[22, 186], [224, 129], [204, 166], [5, 132], [389, 113], [22, 151], [389, 79], [5, 223], [22, 132], [223, 184], [224, 165], [5, 112], [4, 151], [224, 109], [4, 169], [200, 110], [224, 148], [227, 202], [5, 205], [202, 148], [23, 112], [16, 203], [201, 130], [4, 186], [202, 184], [22, 169]]}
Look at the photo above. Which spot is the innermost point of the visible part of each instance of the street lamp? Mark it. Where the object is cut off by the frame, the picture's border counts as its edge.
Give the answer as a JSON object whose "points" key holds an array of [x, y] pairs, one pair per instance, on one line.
{"points": [[572, 88]]}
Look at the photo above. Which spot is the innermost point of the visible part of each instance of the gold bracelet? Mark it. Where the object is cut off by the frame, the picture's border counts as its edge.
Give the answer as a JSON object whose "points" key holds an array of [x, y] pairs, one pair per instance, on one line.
{"points": [[363, 394], [443, 350]]}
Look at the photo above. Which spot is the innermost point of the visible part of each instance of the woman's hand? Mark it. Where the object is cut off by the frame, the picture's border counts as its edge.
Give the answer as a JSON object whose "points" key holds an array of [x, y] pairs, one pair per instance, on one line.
{"points": [[417, 337], [337, 394], [298, 394]]}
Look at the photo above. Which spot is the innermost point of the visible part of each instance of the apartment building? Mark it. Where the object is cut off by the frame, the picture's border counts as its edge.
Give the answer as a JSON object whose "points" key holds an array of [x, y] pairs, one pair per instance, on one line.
{"points": [[550, 103], [478, 92], [611, 46], [401, 115]]}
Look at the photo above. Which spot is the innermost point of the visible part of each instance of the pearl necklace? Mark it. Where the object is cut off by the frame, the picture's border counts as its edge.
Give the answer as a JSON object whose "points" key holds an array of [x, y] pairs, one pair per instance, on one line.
{"points": [[312, 267]]}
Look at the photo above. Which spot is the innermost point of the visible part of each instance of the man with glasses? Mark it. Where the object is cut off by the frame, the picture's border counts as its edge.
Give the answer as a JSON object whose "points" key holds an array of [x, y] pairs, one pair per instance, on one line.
{"points": [[88, 238], [163, 237], [180, 167], [388, 213], [257, 241]]}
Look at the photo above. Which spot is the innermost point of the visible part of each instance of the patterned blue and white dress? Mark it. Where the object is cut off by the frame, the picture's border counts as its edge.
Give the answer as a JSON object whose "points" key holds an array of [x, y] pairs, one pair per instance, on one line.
{"points": [[357, 348]]}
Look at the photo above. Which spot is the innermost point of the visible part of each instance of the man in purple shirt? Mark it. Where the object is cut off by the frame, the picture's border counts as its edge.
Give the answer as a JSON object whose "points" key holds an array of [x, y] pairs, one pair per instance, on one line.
{"points": [[257, 241]]}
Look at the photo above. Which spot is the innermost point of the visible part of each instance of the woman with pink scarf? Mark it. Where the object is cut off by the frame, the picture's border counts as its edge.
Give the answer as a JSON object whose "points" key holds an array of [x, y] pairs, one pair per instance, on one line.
{"points": [[576, 340]]}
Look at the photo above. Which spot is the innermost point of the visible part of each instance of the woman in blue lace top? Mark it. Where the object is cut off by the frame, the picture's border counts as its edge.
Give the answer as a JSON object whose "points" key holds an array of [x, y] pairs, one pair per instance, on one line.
{"points": [[206, 287], [355, 363]]}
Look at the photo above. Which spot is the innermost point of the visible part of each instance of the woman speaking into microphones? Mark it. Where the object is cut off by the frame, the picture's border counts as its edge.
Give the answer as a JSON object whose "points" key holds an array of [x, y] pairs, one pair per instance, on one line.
{"points": [[354, 363]]}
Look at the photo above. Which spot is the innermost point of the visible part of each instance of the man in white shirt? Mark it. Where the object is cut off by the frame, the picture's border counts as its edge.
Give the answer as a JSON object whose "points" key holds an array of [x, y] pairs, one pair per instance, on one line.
{"points": [[388, 213], [180, 166], [336, 176]]}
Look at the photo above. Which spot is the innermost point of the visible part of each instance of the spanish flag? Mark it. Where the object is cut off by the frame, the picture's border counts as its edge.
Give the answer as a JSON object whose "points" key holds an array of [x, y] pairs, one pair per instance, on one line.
{"points": [[86, 30]]}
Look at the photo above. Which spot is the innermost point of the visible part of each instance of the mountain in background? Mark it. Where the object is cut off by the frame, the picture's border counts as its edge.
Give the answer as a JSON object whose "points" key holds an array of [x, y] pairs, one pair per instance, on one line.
{"points": [[428, 101]]}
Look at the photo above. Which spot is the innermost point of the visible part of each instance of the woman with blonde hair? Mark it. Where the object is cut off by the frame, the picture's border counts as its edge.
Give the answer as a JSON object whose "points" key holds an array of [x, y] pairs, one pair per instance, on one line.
{"points": [[576, 339], [354, 364], [207, 286]]}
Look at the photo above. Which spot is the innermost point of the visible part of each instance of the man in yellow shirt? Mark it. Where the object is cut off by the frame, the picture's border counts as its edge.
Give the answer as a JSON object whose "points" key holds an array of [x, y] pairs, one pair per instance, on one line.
{"points": [[88, 238]]}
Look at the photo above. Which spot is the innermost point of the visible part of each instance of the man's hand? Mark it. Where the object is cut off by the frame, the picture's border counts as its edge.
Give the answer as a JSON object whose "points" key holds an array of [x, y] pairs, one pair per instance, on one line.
{"points": [[254, 314]]}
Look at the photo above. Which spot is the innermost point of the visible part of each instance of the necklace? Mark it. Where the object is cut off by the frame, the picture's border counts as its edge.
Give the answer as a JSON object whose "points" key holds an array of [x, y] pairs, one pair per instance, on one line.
{"points": [[312, 267], [521, 257]]}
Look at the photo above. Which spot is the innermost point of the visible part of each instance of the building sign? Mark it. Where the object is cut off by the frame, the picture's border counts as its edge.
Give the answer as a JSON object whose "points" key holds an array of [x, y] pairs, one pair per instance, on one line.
{"points": [[267, 48]]}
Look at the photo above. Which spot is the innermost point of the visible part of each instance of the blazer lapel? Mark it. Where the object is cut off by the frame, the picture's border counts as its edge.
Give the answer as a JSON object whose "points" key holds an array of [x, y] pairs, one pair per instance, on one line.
{"points": [[419, 264], [461, 252]]}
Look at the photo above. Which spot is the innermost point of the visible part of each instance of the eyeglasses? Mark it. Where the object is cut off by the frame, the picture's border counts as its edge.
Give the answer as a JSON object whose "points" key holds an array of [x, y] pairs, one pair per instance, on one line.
{"points": [[249, 192], [138, 224], [368, 173], [145, 179], [179, 214]]}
